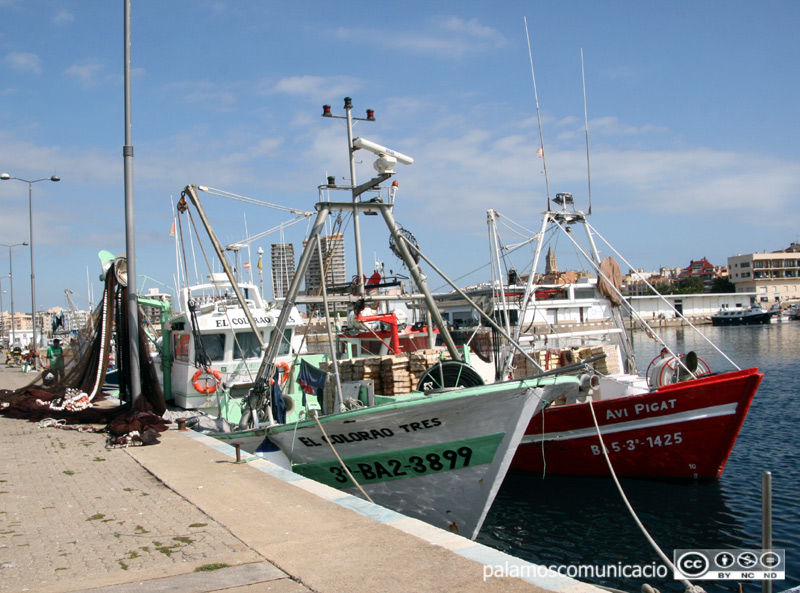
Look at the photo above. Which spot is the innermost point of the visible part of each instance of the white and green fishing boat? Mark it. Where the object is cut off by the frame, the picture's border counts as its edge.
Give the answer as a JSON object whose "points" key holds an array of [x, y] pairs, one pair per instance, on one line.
{"points": [[437, 451], [440, 458]]}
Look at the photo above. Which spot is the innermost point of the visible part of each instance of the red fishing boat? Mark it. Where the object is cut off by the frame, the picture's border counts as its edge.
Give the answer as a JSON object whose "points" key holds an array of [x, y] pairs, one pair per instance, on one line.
{"points": [[680, 430], [677, 420]]}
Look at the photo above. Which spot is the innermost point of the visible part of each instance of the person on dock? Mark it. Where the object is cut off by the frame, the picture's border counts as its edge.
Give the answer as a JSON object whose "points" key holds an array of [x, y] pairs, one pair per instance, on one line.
{"points": [[55, 360]]}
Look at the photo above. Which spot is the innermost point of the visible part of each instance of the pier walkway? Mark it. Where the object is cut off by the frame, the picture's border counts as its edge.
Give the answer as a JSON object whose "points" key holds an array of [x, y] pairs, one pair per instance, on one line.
{"points": [[182, 516]]}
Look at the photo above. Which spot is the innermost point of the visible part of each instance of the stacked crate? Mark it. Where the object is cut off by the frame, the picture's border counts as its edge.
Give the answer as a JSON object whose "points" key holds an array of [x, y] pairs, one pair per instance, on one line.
{"points": [[395, 375], [611, 364], [421, 361], [546, 359], [391, 375]]}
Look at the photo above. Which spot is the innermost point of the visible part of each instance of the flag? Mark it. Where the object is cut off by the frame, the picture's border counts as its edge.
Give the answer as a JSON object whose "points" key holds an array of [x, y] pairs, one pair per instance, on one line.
{"points": [[311, 380], [246, 265], [172, 230], [540, 152], [259, 262]]}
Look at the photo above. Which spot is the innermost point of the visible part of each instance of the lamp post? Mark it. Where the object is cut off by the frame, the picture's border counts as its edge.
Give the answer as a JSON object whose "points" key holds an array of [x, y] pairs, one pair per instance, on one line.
{"points": [[2, 313], [6, 177], [11, 282]]}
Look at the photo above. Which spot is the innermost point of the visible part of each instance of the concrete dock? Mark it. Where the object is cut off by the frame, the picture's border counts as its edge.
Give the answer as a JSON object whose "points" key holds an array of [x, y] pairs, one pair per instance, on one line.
{"points": [[182, 516]]}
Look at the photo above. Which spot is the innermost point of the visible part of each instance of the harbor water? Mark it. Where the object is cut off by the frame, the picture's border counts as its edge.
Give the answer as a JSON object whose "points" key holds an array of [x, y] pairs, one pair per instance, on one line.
{"points": [[583, 522]]}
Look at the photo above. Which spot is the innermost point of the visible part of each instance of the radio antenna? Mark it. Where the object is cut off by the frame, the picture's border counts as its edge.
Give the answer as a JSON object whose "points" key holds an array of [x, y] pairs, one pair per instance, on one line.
{"points": [[586, 119], [540, 153]]}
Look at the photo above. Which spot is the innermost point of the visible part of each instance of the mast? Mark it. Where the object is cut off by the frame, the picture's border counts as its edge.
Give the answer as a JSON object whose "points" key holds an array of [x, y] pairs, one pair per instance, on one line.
{"points": [[492, 221], [191, 191], [326, 112], [586, 127], [529, 289]]}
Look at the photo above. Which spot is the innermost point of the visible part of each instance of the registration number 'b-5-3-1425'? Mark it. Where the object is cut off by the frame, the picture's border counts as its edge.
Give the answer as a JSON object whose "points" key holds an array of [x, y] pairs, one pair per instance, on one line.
{"points": [[651, 442]]}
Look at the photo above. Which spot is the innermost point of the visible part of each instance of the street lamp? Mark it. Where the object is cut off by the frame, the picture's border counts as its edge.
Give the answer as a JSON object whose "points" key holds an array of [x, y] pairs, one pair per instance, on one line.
{"points": [[2, 313], [11, 282], [6, 177]]}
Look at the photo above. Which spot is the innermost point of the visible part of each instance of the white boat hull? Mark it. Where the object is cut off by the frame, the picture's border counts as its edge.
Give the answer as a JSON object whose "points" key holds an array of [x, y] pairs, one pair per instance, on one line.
{"points": [[440, 458]]}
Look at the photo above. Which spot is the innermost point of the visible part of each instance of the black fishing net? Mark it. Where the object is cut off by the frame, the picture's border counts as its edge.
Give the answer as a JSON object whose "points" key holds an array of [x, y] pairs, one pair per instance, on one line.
{"points": [[79, 398]]}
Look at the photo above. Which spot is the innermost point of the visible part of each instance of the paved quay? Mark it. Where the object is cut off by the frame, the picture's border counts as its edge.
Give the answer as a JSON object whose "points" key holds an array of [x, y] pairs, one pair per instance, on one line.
{"points": [[182, 516]]}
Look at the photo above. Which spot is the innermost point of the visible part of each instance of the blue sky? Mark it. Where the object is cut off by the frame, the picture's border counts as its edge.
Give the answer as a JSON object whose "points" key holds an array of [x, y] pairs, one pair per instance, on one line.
{"points": [[692, 109]]}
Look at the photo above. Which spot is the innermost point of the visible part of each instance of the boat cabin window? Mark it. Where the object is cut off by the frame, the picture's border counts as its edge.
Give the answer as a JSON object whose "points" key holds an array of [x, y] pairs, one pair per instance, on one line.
{"points": [[180, 346], [246, 346], [214, 345], [286, 342]]}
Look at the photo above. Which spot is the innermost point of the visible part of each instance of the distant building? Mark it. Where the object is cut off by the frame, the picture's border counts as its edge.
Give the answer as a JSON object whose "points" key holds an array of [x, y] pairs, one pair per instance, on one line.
{"points": [[282, 255], [773, 276], [333, 256], [153, 314], [704, 270]]}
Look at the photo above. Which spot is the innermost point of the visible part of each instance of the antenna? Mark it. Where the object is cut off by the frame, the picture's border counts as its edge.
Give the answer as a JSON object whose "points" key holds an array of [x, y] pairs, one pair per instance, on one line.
{"points": [[538, 117], [586, 119]]}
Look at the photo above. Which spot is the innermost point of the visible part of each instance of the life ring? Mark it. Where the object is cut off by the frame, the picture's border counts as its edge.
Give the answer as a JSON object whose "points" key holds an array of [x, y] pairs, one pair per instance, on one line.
{"points": [[206, 388], [284, 366]]}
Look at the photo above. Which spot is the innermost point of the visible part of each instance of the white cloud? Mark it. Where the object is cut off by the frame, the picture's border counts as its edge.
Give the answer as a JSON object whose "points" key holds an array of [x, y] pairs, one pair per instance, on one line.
{"points": [[24, 62], [63, 17], [205, 93], [316, 86], [86, 72], [447, 37]]}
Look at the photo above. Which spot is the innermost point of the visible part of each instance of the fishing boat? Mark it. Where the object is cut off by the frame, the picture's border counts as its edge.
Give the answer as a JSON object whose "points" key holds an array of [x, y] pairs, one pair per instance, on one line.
{"points": [[438, 452], [753, 315], [675, 420], [212, 342]]}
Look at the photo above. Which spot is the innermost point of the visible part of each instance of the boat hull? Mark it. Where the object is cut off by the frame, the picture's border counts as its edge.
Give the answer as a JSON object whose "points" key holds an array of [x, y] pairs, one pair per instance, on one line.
{"points": [[754, 319], [680, 431], [439, 458]]}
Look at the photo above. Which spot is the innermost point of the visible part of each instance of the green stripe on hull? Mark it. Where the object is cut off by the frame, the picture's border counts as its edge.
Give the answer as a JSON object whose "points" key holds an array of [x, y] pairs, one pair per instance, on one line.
{"points": [[378, 467]]}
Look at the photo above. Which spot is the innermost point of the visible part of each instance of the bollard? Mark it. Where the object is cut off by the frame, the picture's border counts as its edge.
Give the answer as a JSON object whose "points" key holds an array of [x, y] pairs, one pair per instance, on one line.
{"points": [[181, 423], [766, 521], [238, 446]]}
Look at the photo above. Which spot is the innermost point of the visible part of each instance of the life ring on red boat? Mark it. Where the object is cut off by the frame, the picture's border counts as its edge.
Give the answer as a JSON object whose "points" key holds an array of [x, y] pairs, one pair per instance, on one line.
{"points": [[206, 388]]}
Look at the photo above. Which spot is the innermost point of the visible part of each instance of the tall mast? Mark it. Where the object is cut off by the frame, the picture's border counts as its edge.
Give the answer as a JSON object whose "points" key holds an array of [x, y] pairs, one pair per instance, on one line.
{"points": [[326, 112]]}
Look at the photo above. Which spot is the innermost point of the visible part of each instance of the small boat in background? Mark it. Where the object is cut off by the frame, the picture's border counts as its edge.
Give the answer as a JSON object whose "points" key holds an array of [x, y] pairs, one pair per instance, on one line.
{"points": [[754, 315]]}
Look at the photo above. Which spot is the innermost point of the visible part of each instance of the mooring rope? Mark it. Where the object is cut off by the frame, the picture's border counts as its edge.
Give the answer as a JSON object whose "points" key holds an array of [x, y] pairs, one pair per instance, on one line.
{"points": [[689, 586], [344, 466]]}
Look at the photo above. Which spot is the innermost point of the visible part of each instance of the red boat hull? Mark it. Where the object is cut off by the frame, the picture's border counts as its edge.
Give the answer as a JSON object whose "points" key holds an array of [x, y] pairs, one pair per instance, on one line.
{"points": [[680, 431]]}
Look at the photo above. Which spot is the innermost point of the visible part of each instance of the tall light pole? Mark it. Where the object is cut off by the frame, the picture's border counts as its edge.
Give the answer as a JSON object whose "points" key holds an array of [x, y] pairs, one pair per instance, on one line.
{"points": [[6, 177], [11, 282], [2, 313]]}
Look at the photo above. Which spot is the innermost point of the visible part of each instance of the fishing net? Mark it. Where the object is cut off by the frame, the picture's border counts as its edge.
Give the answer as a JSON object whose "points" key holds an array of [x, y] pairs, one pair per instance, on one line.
{"points": [[79, 397]]}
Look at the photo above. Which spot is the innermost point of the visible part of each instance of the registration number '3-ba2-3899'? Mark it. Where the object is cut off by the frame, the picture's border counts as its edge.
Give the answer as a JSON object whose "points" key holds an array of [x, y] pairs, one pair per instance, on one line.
{"points": [[399, 464], [449, 459]]}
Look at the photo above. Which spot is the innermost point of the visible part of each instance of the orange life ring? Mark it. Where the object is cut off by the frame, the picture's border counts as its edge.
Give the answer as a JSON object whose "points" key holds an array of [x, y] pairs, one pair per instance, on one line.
{"points": [[206, 388], [280, 365]]}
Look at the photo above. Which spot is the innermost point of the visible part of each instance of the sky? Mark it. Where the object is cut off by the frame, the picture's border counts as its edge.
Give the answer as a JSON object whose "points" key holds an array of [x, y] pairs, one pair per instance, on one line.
{"points": [[692, 125]]}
